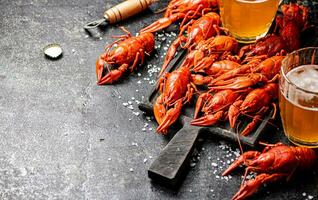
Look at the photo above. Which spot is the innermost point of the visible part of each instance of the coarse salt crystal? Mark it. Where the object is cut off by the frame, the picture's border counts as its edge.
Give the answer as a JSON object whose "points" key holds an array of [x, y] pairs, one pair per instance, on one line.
{"points": [[310, 197], [131, 169], [145, 160], [304, 194], [214, 164]]}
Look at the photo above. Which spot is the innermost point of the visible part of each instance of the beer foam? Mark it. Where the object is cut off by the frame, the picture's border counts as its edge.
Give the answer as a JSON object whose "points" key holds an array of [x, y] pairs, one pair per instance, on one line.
{"points": [[304, 77]]}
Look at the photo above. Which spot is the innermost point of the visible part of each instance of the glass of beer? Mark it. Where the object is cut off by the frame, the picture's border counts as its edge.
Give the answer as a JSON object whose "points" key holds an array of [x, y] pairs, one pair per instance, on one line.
{"points": [[298, 99], [248, 20]]}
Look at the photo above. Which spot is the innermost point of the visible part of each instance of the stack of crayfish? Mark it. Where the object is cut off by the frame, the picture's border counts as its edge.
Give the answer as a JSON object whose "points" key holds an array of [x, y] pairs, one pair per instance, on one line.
{"points": [[235, 81]]}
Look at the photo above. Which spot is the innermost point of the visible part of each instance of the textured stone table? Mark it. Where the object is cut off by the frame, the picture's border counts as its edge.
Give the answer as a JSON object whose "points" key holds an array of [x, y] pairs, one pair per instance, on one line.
{"points": [[64, 137]]}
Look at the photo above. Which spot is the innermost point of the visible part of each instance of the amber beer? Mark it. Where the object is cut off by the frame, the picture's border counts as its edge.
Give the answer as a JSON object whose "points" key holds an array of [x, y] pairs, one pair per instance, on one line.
{"points": [[248, 20], [299, 105]]}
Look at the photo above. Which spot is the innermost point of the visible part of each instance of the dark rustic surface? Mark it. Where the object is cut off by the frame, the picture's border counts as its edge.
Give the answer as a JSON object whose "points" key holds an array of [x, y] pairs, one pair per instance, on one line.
{"points": [[64, 137]]}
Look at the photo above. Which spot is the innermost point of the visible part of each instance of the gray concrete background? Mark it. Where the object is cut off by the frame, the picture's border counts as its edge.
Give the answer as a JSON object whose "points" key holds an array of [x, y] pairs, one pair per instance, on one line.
{"points": [[64, 137]]}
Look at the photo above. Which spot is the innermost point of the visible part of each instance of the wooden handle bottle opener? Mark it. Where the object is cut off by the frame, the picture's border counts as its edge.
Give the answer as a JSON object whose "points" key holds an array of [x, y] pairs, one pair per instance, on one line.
{"points": [[120, 12]]}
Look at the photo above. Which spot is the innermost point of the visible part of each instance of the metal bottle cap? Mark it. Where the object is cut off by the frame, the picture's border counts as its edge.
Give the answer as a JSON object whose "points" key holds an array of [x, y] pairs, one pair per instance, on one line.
{"points": [[53, 51]]}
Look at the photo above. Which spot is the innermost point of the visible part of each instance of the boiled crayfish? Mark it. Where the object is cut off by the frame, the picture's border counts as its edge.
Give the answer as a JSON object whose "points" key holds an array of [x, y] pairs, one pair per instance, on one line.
{"points": [[293, 22], [269, 68], [214, 106], [197, 30], [181, 9], [129, 53], [175, 90], [276, 162], [209, 51], [290, 25], [256, 103]]}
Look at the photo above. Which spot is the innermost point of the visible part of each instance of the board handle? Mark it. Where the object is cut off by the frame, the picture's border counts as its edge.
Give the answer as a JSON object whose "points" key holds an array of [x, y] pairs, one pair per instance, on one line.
{"points": [[169, 166], [126, 9]]}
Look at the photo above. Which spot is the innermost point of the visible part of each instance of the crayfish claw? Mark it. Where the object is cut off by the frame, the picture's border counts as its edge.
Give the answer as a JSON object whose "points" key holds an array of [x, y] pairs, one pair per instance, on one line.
{"points": [[113, 75], [241, 160], [100, 63], [170, 117], [234, 112], [251, 186], [208, 120]]}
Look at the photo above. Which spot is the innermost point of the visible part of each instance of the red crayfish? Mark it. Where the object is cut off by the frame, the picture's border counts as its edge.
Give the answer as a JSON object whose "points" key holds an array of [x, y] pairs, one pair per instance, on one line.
{"points": [[181, 9], [256, 102], [197, 30], [269, 68], [276, 162], [175, 91], [130, 52], [214, 106], [291, 24], [209, 51]]}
